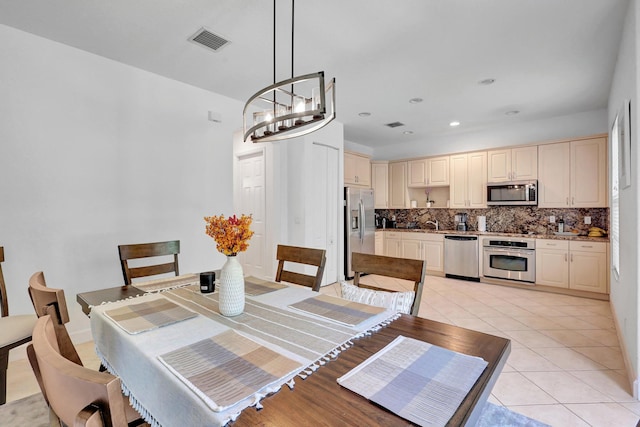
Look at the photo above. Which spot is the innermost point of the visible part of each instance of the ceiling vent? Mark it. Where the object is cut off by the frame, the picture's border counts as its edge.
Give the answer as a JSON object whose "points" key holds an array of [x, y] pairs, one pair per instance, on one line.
{"points": [[206, 38], [394, 124]]}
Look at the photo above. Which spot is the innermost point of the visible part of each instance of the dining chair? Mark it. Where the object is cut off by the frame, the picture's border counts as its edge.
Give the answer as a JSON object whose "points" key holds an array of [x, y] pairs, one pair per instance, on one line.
{"points": [[399, 268], [15, 330], [149, 250], [50, 301], [77, 396], [300, 255]]}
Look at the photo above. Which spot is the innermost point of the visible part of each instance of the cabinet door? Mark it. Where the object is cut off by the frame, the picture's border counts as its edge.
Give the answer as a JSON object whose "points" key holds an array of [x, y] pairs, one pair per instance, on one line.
{"points": [[552, 268], [524, 163], [499, 167], [588, 271], [438, 171], [589, 173], [411, 249], [434, 255], [392, 247], [554, 175], [379, 243], [398, 185], [477, 180], [380, 182], [417, 173], [458, 181], [349, 169], [363, 171]]}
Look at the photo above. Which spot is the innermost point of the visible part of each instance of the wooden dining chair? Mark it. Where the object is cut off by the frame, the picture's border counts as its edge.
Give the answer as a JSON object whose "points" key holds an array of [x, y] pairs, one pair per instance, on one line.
{"points": [[15, 330], [149, 250], [399, 268], [300, 255], [50, 301], [77, 396]]}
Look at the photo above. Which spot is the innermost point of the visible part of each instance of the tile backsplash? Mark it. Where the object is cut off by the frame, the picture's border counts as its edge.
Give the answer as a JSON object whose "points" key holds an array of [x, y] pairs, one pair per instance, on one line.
{"points": [[505, 219]]}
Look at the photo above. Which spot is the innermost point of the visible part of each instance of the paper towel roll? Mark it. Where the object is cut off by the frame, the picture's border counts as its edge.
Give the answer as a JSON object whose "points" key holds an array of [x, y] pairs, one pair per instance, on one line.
{"points": [[482, 223], [414, 203]]}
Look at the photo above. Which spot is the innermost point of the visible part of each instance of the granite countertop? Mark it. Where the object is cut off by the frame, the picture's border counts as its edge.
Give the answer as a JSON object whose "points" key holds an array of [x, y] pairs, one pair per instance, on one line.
{"points": [[495, 233]]}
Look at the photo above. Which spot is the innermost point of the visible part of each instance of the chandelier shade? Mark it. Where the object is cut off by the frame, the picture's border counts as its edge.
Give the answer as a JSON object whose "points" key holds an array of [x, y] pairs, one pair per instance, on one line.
{"points": [[290, 108]]}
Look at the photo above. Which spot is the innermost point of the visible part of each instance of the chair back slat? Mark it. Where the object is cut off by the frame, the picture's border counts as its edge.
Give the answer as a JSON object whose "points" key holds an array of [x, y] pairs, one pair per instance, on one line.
{"points": [[148, 250], [399, 268], [300, 255]]}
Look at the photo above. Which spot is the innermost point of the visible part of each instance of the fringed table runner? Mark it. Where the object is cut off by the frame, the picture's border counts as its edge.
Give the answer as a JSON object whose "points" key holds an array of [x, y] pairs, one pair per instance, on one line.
{"points": [[311, 338], [168, 283], [420, 382], [152, 314], [337, 309], [228, 368], [254, 286]]}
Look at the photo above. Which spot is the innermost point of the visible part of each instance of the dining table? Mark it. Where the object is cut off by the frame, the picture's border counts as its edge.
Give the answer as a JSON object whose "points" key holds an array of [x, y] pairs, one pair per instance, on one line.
{"points": [[183, 363]]}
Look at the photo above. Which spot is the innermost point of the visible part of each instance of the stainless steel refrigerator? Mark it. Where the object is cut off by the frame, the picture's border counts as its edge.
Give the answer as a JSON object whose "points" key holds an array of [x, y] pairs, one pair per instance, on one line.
{"points": [[359, 221]]}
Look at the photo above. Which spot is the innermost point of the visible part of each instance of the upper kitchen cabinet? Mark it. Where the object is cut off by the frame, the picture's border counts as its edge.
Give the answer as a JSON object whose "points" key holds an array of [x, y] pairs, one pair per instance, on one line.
{"points": [[513, 164], [380, 183], [431, 172], [468, 180], [573, 174], [357, 170], [398, 193]]}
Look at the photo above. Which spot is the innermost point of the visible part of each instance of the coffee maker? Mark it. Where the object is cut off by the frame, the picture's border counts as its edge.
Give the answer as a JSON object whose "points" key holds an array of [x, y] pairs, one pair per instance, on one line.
{"points": [[461, 221]]}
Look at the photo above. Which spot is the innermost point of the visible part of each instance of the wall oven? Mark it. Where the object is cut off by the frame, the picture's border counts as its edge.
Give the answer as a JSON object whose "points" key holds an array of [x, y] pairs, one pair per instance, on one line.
{"points": [[512, 193], [509, 258]]}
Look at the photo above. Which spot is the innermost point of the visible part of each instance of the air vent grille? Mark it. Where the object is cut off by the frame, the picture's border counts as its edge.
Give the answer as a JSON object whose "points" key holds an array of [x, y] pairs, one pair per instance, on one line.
{"points": [[209, 40], [394, 124]]}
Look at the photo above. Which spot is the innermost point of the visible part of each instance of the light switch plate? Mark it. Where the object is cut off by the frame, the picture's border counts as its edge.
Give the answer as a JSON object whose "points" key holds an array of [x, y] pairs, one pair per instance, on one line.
{"points": [[587, 220], [552, 219]]}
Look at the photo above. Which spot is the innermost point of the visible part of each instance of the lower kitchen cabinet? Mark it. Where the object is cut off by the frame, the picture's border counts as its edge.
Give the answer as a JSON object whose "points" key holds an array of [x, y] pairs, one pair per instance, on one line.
{"points": [[415, 245], [578, 265], [379, 243]]}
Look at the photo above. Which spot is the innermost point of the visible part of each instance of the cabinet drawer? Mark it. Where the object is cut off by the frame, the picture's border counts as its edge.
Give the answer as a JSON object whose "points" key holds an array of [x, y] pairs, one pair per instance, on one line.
{"points": [[589, 247], [431, 237], [392, 234], [560, 245]]}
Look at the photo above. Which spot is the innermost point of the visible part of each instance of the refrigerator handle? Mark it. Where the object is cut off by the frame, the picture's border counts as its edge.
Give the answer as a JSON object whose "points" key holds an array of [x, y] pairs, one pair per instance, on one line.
{"points": [[362, 221]]}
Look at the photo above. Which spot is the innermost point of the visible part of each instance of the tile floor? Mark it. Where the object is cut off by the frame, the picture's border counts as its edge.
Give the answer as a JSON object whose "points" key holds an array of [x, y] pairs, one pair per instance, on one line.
{"points": [[565, 367]]}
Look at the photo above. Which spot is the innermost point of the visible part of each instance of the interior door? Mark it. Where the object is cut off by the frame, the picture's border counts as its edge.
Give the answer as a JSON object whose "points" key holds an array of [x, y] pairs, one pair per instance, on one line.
{"points": [[252, 201]]}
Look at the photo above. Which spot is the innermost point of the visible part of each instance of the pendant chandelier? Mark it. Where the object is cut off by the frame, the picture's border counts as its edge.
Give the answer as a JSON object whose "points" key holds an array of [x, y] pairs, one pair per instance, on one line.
{"points": [[292, 107]]}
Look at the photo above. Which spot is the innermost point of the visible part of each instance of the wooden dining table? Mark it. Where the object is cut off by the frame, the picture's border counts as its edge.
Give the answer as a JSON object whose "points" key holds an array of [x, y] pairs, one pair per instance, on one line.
{"points": [[320, 400]]}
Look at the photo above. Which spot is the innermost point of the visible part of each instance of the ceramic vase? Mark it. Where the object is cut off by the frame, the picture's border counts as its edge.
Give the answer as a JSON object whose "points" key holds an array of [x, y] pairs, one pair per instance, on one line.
{"points": [[231, 300]]}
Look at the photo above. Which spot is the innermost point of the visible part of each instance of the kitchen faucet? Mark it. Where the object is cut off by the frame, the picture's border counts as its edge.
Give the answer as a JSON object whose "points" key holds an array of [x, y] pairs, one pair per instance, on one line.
{"points": [[434, 223]]}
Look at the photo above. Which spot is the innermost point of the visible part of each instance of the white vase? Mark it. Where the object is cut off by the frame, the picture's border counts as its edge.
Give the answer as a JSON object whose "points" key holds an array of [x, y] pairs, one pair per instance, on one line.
{"points": [[231, 301]]}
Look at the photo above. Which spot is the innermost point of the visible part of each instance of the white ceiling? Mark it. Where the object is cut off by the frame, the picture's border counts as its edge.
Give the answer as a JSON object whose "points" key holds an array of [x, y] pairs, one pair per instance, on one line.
{"points": [[548, 57]]}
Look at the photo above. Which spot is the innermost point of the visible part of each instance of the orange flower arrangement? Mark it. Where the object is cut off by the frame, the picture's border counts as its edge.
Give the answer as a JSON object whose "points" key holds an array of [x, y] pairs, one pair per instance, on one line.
{"points": [[231, 235]]}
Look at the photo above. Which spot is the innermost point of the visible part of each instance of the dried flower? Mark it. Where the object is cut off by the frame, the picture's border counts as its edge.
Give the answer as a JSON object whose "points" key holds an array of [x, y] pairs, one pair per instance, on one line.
{"points": [[231, 235]]}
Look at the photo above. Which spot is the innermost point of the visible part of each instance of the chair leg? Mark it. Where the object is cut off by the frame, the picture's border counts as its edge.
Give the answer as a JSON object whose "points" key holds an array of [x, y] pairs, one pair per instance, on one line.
{"points": [[4, 364]]}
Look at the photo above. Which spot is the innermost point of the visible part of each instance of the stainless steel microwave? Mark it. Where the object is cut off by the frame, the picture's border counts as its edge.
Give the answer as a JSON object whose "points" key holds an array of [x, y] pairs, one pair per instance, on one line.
{"points": [[512, 193]]}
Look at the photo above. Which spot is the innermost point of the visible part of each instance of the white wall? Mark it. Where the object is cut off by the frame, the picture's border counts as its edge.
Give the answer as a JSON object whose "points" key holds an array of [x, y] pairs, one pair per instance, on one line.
{"points": [[624, 291], [518, 133], [95, 154]]}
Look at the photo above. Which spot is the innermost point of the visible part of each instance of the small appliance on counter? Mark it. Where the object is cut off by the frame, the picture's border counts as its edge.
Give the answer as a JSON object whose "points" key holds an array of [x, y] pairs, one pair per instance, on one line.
{"points": [[482, 223], [461, 221]]}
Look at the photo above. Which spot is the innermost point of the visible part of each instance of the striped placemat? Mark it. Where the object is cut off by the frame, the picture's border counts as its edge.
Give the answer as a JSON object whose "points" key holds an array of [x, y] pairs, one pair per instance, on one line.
{"points": [[418, 381], [168, 283], [228, 368], [136, 318], [338, 309], [254, 286]]}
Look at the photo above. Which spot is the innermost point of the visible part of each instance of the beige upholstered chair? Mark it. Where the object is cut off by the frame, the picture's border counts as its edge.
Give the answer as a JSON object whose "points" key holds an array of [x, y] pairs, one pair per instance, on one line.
{"points": [[14, 331], [300, 255], [148, 250], [399, 268], [76, 395]]}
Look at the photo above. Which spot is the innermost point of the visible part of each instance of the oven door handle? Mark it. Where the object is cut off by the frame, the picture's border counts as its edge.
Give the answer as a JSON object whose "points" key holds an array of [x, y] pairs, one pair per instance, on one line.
{"points": [[506, 250]]}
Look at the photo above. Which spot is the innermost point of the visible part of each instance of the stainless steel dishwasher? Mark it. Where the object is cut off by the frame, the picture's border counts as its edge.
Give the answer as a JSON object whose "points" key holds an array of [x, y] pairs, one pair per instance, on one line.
{"points": [[461, 257]]}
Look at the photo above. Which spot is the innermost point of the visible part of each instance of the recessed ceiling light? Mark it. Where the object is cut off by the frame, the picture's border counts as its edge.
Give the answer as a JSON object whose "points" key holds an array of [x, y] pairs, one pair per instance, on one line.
{"points": [[512, 112], [407, 132], [415, 100], [454, 123], [364, 114], [487, 82]]}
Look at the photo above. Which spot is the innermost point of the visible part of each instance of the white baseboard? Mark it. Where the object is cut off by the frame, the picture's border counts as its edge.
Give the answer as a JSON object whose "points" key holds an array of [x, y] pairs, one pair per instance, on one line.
{"points": [[632, 376]]}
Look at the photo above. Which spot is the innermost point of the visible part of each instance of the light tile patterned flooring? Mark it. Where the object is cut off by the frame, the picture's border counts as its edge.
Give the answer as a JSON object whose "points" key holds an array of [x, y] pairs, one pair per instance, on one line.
{"points": [[565, 367]]}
